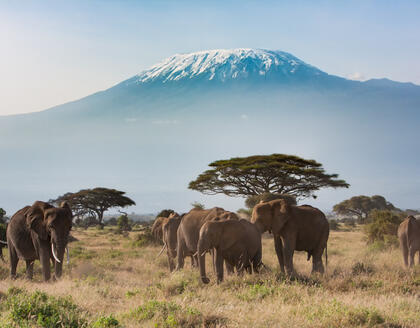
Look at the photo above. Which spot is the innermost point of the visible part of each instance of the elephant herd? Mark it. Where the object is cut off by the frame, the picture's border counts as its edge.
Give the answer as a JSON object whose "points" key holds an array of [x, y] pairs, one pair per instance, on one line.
{"points": [[237, 242], [41, 231]]}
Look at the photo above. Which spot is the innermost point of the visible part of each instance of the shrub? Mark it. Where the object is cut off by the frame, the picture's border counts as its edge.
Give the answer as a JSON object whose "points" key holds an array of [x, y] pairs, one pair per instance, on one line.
{"points": [[334, 225], [106, 322], [383, 226], [124, 223], [41, 310], [143, 239]]}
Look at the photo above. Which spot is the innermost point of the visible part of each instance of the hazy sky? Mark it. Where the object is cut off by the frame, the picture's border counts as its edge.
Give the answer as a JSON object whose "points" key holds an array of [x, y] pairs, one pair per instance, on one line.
{"points": [[52, 52]]}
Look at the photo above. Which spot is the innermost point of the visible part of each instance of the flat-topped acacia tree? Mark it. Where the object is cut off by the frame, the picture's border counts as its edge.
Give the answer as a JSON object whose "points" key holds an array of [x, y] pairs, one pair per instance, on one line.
{"points": [[255, 175], [94, 201]]}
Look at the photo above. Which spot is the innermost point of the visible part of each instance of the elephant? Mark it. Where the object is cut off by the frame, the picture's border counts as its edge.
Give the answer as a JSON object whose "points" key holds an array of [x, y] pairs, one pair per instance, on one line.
{"points": [[409, 236], [169, 229], [189, 230], [3, 243], [237, 242], [300, 228], [158, 224], [40, 231]]}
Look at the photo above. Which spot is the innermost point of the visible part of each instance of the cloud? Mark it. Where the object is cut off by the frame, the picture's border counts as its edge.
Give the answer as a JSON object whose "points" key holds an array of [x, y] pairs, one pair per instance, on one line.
{"points": [[130, 120], [244, 116], [356, 76]]}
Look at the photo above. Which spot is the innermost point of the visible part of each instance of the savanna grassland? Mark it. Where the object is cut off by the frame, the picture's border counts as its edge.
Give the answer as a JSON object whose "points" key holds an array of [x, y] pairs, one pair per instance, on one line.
{"points": [[118, 281]]}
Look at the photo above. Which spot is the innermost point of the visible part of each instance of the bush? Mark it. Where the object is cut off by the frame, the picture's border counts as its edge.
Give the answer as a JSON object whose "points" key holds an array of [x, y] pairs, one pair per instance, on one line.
{"points": [[251, 201], [106, 322], [143, 239], [124, 223], [334, 225], [383, 226], [41, 310]]}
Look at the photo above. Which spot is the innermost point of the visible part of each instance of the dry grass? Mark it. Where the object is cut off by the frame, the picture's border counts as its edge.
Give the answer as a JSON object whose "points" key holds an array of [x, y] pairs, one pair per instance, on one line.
{"points": [[363, 287]]}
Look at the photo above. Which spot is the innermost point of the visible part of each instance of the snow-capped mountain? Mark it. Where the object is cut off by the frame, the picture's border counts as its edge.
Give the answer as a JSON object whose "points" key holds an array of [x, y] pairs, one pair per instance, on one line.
{"points": [[225, 65], [154, 132]]}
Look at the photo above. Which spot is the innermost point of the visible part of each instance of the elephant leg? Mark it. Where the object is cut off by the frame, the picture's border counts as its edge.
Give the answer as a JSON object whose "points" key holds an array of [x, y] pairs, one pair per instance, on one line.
{"points": [[229, 268], [14, 259], [279, 251], [411, 254], [219, 266], [405, 254], [288, 251], [29, 269], [45, 264], [180, 253], [317, 265], [170, 261], [256, 261]]}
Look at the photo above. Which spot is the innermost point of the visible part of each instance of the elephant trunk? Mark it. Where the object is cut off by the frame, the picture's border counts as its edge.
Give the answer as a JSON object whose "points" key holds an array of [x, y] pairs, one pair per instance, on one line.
{"points": [[201, 252], [58, 250]]}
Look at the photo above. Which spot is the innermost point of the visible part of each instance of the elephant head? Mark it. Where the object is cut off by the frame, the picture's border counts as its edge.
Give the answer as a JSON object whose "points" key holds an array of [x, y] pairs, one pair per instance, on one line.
{"points": [[210, 236], [170, 229], [51, 224], [271, 216]]}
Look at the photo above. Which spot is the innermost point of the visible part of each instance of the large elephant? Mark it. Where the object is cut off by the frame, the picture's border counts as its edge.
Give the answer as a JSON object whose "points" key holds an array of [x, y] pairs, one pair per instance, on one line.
{"points": [[189, 230], [41, 232], [409, 236], [235, 242], [170, 228], [300, 228]]}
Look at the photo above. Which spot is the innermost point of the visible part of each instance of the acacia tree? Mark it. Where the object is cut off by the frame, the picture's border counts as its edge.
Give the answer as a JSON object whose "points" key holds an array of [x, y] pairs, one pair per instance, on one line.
{"points": [[362, 205], [94, 202], [274, 174]]}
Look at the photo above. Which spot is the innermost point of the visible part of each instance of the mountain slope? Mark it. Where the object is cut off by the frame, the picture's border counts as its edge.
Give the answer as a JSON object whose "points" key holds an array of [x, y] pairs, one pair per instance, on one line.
{"points": [[153, 133]]}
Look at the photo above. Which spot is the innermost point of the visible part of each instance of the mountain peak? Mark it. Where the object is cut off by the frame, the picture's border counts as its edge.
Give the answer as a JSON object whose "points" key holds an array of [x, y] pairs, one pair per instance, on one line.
{"points": [[226, 64]]}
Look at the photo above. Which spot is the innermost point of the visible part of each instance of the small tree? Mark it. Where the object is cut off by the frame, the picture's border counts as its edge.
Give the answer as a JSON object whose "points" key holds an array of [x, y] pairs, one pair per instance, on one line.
{"points": [[275, 174], [95, 201], [123, 223], [2, 215], [361, 206], [383, 226]]}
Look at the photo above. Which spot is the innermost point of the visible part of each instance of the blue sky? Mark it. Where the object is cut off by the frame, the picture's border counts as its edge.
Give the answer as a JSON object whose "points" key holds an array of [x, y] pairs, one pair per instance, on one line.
{"points": [[52, 52]]}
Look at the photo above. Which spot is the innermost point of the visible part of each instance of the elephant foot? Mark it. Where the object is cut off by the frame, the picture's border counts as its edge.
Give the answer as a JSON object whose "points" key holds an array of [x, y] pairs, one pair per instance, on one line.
{"points": [[205, 280], [13, 277]]}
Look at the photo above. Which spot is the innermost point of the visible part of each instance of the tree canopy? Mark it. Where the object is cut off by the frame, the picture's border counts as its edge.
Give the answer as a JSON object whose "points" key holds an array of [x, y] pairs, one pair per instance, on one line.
{"points": [[251, 201], [275, 174], [362, 205], [94, 202], [2, 214]]}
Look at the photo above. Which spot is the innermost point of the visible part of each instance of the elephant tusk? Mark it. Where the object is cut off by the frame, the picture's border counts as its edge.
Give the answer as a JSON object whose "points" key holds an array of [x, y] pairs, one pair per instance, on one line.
{"points": [[68, 255], [3, 242], [53, 252], [161, 251], [204, 253]]}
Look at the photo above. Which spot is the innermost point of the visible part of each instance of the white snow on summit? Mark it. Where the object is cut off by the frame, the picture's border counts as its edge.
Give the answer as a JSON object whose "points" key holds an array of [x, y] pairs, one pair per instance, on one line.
{"points": [[224, 65]]}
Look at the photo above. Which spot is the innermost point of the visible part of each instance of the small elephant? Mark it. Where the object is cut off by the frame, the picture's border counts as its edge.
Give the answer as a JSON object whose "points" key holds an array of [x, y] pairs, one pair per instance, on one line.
{"points": [[236, 242], [300, 228], [189, 230], [41, 232], [157, 226], [409, 236]]}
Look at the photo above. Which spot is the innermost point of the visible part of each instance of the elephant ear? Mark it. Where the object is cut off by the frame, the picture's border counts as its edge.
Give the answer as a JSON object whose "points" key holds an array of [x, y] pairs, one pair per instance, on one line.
{"points": [[35, 222], [66, 206], [281, 213]]}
